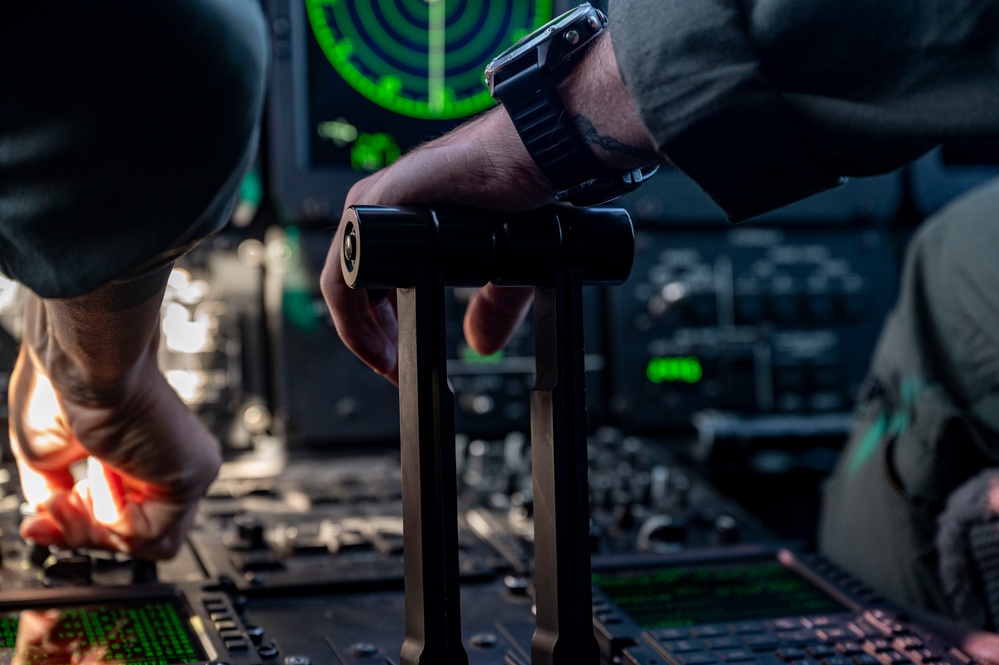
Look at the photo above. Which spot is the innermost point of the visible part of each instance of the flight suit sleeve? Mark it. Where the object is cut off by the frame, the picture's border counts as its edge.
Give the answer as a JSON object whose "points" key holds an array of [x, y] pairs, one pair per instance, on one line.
{"points": [[125, 130], [764, 102]]}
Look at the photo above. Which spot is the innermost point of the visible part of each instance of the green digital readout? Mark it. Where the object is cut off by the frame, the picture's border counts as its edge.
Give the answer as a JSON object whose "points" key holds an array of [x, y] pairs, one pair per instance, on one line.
{"points": [[421, 58], [373, 151], [470, 355], [673, 369], [713, 593], [145, 633]]}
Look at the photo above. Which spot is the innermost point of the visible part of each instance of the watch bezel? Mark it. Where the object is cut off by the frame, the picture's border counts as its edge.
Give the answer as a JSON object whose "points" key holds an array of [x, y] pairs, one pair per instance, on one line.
{"points": [[553, 52]]}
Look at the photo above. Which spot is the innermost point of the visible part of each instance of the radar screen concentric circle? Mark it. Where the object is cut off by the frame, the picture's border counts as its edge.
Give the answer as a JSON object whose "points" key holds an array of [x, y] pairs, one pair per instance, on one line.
{"points": [[422, 58]]}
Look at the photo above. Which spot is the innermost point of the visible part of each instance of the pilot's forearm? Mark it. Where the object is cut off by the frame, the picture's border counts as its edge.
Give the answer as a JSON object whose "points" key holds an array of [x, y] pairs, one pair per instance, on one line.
{"points": [[93, 346], [601, 108]]}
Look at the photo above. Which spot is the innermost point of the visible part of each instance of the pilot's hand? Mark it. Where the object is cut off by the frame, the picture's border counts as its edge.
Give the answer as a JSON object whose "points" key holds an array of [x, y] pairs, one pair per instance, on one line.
{"points": [[481, 164], [154, 458]]}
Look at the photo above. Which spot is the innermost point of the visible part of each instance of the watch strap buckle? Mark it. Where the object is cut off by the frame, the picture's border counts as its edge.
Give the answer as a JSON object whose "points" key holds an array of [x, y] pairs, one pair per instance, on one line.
{"points": [[603, 189]]}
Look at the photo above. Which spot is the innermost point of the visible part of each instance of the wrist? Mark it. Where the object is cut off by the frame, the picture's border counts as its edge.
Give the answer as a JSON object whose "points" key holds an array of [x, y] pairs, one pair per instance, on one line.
{"points": [[600, 107], [507, 158], [97, 347], [563, 93]]}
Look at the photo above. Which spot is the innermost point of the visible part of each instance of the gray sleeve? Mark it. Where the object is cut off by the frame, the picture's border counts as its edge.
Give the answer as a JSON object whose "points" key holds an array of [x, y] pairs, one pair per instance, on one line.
{"points": [[928, 419], [125, 129], [764, 102]]}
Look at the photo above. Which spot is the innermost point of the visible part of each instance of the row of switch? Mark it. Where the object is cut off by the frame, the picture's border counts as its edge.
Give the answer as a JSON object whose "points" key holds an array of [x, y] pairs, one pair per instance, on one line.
{"points": [[754, 308], [236, 638]]}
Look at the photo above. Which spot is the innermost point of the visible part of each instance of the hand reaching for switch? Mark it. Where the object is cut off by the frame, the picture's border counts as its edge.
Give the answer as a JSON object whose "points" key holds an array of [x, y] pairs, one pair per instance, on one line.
{"points": [[86, 386]]}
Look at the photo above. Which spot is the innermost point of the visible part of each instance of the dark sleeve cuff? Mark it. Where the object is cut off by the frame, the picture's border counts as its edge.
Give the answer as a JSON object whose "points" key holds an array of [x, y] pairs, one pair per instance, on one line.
{"points": [[125, 130], [764, 102], [698, 85]]}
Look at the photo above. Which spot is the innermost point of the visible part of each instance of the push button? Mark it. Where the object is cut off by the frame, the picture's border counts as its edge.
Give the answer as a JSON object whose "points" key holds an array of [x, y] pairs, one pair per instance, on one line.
{"points": [[836, 660], [790, 653], [236, 644], [849, 648], [747, 627], [268, 651], [680, 646], [820, 651], [664, 634], [737, 655], [706, 631], [215, 605], [761, 642]]}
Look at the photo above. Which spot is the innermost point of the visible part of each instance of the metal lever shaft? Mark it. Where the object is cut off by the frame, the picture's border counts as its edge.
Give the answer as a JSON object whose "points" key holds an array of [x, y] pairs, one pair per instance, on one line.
{"points": [[556, 250], [564, 599]]}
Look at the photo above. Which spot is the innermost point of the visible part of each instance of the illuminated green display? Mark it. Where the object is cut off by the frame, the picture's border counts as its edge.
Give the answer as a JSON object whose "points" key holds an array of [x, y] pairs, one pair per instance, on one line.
{"points": [[671, 369], [470, 355], [371, 152], [422, 58], [152, 633], [691, 595]]}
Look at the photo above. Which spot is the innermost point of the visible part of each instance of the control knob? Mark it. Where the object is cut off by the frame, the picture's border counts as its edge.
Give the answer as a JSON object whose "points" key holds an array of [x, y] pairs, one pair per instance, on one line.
{"points": [[67, 566], [662, 533], [249, 533]]}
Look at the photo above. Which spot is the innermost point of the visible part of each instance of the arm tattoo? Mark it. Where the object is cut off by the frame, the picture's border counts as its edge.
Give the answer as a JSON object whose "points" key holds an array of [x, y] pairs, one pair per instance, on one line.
{"points": [[592, 137]]}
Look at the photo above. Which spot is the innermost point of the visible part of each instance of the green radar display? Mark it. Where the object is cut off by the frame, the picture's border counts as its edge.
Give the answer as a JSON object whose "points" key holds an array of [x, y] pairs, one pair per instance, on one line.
{"points": [[421, 58]]}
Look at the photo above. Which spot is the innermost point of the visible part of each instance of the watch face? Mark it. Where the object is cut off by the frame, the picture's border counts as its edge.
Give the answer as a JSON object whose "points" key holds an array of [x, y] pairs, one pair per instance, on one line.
{"points": [[422, 58], [529, 40], [584, 22]]}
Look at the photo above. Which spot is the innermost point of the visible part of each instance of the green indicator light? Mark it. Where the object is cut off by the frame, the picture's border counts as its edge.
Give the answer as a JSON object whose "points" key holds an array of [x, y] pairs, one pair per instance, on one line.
{"points": [[299, 308], [432, 51], [374, 151], [470, 355], [251, 190], [300, 305], [339, 131], [671, 369]]}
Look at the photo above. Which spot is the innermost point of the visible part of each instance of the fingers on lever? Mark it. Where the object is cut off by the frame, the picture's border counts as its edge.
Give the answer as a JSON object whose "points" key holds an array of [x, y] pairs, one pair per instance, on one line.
{"points": [[494, 314]]}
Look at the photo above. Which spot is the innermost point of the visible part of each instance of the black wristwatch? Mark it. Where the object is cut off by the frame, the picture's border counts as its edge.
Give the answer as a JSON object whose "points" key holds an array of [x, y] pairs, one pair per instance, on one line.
{"points": [[524, 78]]}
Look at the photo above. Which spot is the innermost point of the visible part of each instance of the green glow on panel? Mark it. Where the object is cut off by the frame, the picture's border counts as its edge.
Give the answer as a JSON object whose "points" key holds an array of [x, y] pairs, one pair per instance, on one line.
{"points": [[421, 58], [670, 369]]}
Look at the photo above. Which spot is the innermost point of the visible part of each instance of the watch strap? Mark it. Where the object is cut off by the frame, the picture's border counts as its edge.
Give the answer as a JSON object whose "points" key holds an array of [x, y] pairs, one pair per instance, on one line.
{"points": [[547, 131], [525, 78], [601, 190]]}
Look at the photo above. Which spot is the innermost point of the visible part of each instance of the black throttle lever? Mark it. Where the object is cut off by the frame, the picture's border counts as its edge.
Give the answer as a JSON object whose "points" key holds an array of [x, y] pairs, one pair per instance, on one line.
{"points": [[556, 250]]}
